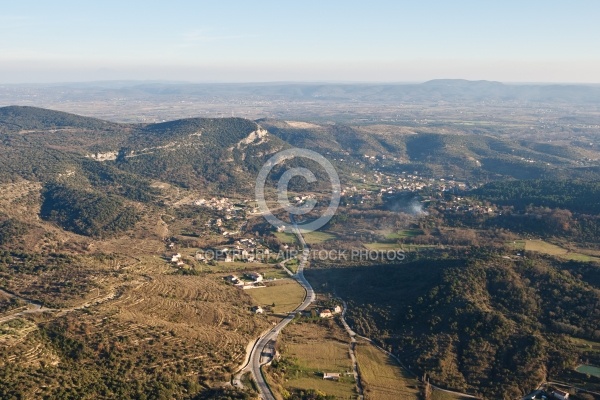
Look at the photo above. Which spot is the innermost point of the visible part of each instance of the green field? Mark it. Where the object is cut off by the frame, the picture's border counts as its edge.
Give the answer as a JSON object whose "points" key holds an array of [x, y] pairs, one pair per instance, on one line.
{"points": [[310, 237], [395, 246], [292, 265], [541, 246], [318, 237], [275, 274], [589, 370], [287, 294], [404, 234], [588, 345], [382, 376], [285, 237]]}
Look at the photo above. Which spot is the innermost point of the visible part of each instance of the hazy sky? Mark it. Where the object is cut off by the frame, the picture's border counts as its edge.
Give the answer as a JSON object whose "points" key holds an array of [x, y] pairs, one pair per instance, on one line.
{"points": [[235, 41]]}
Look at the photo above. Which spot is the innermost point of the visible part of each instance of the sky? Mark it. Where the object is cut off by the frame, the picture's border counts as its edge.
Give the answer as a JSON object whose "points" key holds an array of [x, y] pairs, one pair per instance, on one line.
{"points": [[274, 41]]}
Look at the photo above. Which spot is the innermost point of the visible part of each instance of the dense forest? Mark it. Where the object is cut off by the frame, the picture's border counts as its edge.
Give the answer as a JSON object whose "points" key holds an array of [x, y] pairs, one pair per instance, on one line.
{"points": [[85, 212], [574, 195], [10, 230], [546, 208]]}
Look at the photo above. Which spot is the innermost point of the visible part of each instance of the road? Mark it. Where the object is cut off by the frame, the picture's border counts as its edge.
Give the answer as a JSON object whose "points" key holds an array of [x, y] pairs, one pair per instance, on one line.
{"points": [[264, 350], [32, 307], [355, 369]]}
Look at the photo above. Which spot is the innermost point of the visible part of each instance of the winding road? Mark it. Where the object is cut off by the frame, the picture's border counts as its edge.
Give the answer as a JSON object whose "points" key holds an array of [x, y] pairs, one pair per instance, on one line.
{"points": [[264, 349], [32, 307]]}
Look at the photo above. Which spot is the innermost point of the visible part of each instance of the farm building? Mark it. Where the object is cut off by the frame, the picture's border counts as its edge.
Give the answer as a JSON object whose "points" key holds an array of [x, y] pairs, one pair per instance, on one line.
{"points": [[332, 376], [255, 276], [560, 395]]}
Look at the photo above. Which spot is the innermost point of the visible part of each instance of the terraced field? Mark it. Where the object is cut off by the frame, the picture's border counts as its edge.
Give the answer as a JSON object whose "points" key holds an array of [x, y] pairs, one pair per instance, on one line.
{"points": [[186, 326]]}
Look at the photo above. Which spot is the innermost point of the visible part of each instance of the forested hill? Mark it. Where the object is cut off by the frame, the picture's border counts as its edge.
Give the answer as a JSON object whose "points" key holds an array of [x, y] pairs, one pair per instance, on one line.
{"points": [[578, 196], [92, 172], [225, 154], [41, 145], [23, 118], [480, 323]]}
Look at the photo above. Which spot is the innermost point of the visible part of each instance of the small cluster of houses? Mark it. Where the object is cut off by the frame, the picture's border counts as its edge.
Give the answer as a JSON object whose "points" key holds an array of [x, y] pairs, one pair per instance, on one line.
{"points": [[227, 207], [175, 259], [219, 204], [329, 313], [217, 225], [464, 205], [251, 279], [304, 199], [406, 182], [245, 249]]}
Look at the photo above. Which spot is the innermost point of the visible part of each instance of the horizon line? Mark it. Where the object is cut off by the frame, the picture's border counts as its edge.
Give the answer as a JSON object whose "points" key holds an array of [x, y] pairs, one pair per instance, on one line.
{"points": [[291, 82]]}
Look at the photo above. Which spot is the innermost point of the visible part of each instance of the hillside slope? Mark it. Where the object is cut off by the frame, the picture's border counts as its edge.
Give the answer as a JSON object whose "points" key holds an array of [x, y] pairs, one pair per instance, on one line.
{"points": [[479, 324]]}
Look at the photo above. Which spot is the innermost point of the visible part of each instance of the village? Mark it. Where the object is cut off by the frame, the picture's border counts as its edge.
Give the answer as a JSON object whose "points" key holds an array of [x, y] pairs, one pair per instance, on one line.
{"points": [[402, 183]]}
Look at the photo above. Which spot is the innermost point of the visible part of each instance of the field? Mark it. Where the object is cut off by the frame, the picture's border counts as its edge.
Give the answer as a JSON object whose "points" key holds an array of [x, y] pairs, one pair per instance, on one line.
{"points": [[382, 377], [588, 345], [292, 265], [396, 246], [285, 237], [308, 350], [316, 237], [310, 237], [404, 234], [541, 246], [287, 294]]}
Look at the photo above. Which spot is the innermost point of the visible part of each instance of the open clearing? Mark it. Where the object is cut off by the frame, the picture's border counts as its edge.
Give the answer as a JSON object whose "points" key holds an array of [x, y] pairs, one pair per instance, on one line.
{"points": [[588, 345], [287, 294], [541, 246], [404, 234], [382, 377], [285, 237], [396, 246], [318, 237], [310, 237]]}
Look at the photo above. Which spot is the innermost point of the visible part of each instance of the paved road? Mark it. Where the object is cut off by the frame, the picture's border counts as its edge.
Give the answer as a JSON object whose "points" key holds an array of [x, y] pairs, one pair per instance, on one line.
{"points": [[264, 349]]}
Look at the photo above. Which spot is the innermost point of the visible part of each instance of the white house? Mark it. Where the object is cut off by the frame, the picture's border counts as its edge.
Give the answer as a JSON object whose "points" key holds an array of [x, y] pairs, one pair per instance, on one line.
{"points": [[560, 395], [334, 376]]}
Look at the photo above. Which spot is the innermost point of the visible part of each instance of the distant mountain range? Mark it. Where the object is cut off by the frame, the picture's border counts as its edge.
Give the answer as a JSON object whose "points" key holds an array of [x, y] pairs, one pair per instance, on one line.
{"points": [[435, 90]]}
